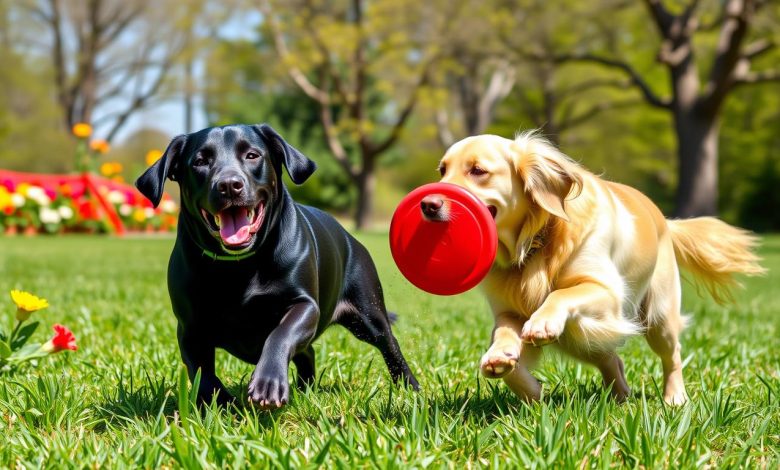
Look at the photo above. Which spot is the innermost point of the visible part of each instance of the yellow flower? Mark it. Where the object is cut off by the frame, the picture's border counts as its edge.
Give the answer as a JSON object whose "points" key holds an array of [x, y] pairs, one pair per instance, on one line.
{"points": [[152, 156], [100, 146], [82, 130], [26, 303], [5, 198], [22, 188], [139, 216], [109, 169]]}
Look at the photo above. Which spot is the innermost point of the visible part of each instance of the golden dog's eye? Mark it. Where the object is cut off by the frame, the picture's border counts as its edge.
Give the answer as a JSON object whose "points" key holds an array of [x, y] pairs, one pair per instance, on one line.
{"points": [[477, 171], [442, 169]]}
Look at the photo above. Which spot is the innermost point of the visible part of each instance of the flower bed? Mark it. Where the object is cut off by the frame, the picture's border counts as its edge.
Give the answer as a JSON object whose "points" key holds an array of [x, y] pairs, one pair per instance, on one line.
{"points": [[41, 203]]}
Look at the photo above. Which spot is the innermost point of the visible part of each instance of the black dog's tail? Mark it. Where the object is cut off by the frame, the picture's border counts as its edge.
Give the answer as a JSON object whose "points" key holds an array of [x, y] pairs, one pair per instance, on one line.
{"points": [[392, 317]]}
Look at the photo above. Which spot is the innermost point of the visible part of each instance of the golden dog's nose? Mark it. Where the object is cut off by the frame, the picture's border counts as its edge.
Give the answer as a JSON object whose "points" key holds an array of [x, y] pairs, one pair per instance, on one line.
{"points": [[431, 205]]}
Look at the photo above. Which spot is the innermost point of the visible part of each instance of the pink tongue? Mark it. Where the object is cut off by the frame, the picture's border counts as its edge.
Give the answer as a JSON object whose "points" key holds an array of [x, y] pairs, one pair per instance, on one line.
{"points": [[235, 226]]}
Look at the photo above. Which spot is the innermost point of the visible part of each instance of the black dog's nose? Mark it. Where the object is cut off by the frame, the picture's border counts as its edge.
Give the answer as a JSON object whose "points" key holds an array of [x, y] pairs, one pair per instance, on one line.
{"points": [[231, 186], [431, 205]]}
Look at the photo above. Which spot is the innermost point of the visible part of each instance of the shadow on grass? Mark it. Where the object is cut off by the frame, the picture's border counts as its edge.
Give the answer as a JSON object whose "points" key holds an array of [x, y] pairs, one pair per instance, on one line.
{"points": [[480, 400]]}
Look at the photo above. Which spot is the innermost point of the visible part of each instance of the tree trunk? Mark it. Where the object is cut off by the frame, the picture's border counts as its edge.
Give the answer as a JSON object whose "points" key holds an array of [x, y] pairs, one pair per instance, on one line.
{"points": [[697, 153], [365, 184]]}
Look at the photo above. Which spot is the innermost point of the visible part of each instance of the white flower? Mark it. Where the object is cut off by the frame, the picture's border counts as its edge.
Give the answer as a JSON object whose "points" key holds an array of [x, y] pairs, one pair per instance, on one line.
{"points": [[116, 197], [149, 212], [17, 200], [34, 192], [49, 216], [168, 206], [38, 195], [65, 212], [125, 210]]}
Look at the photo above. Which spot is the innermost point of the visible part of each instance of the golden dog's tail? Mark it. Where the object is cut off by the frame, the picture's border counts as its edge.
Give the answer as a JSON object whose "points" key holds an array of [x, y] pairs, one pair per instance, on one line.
{"points": [[713, 251]]}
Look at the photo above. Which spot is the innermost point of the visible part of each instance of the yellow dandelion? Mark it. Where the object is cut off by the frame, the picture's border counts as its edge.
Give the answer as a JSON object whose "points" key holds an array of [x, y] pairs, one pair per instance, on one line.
{"points": [[82, 130], [26, 304], [152, 156]]}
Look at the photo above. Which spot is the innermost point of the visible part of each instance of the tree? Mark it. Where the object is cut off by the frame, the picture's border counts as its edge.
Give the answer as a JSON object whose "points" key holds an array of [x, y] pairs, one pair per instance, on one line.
{"points": [[29, 120], [695, 107], [239, 87], [556, 96], [476, 74], [112, 58], [363, 64]]}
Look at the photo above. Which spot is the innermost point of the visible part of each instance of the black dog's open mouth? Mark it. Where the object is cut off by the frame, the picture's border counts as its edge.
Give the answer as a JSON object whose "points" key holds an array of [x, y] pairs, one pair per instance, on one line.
{"points": [[236, 225]]}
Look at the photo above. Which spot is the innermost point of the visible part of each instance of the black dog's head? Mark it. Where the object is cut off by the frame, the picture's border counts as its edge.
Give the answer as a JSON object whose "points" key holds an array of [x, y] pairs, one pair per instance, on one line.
{"points": [[230, 179]]}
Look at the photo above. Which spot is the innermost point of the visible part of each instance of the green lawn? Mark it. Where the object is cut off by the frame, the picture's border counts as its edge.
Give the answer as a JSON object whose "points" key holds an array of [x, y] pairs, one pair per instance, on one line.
{"points": [[114, 402]]}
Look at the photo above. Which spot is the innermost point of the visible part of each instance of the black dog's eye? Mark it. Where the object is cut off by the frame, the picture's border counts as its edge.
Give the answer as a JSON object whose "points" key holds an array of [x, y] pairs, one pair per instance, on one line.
{"points": [[200, 160], [477, 171], [252, 155]]}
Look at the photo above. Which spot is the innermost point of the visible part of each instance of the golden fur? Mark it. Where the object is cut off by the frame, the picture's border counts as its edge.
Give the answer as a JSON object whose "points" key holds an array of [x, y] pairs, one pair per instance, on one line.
{"points": [[585, 263]]}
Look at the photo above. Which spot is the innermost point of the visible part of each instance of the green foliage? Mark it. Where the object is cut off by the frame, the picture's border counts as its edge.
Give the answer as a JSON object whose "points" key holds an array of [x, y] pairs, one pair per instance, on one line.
{"points": [[750, 154], [31, 134], [246, 81], [243, 88], [121, 401]]}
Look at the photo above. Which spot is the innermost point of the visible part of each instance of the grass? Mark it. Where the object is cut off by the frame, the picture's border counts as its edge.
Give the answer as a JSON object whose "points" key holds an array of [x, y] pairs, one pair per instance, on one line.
{"points": [[119, 401]]}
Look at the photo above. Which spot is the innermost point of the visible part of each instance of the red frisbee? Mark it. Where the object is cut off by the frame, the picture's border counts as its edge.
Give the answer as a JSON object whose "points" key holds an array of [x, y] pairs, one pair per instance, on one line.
{"points": [[443, 258]]}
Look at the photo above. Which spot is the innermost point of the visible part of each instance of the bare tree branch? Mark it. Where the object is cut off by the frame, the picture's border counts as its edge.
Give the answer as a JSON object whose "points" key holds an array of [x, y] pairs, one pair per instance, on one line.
{"points": [[140, 100], [763, 76], [633, 74], [757, 48], [502, 80], [592, 84], [403, 116], [663, 19], [593, 111], [732, 35], [293, 70], [443, 132]]}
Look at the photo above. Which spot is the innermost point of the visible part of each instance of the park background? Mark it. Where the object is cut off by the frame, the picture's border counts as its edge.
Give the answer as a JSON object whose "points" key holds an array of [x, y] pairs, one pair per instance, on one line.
{"points": [[680, 99]]}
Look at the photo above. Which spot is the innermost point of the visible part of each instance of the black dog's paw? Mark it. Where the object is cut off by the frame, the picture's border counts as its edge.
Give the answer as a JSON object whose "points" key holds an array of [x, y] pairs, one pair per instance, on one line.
{"points": [[268, 391]]}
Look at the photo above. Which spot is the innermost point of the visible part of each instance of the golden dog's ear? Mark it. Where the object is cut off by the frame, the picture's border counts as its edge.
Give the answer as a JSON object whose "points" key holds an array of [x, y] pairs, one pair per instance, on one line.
{"points": [[548, 175]]}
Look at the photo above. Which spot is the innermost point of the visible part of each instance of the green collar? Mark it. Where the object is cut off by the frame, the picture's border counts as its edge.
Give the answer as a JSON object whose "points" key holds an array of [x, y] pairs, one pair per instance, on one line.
{"points": [[215, 257]]}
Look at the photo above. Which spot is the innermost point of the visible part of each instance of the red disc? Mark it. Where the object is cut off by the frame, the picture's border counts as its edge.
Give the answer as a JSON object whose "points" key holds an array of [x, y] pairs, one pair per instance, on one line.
{"points": [[443, 258]]}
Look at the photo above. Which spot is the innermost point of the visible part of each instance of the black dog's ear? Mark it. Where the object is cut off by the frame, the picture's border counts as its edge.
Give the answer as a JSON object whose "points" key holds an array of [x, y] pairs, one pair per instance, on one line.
{"points": [[299, 167], [151, 183]]}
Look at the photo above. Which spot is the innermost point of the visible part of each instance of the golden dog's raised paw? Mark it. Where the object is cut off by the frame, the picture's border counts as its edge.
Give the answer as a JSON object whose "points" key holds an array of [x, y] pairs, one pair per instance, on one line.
{"points": [[542, 330], [498, 362]]}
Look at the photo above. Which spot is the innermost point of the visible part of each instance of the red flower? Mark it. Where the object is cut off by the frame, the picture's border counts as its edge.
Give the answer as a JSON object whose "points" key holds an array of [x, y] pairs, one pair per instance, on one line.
{"points": [[63, 339]]}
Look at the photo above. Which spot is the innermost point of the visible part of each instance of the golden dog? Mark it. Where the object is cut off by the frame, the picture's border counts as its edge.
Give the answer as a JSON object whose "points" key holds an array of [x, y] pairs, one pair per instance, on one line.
{"points": [[584, 263]]}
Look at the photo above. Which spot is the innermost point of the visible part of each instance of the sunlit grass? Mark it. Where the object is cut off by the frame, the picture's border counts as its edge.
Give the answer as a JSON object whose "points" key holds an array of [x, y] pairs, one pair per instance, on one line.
{"points": [[117, 401]]}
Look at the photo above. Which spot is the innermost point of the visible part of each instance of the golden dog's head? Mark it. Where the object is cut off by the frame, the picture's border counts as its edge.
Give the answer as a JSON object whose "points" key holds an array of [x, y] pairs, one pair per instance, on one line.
{"points": [[523, 182]]}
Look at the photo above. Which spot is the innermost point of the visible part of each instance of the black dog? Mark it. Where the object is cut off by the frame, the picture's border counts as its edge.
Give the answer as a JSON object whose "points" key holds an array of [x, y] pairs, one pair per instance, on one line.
{"points": [[255, 273]]}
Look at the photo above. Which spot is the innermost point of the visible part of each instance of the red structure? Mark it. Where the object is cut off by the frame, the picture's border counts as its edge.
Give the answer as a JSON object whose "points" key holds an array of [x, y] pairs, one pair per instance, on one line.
{"points": [[90, 196]]}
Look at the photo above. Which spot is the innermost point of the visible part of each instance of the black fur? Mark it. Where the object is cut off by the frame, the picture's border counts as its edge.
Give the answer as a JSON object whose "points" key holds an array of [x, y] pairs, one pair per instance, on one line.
{"points": [[297, 275]]}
